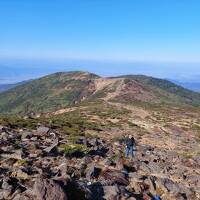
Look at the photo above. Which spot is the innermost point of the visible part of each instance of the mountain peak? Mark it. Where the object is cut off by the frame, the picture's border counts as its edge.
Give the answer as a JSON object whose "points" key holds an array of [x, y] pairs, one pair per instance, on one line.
{"points": [[63, 89], [74, 74]]}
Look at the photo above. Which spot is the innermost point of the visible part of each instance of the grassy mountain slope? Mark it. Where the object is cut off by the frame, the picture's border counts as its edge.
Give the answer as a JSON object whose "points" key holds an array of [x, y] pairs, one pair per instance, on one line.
{"points": [[167, 91], [45, 94], [60, 90]]}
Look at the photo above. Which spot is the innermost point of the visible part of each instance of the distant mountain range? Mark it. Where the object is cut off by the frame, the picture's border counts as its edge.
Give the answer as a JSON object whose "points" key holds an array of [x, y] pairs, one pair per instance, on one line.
{"points": [[61, 90], [192, 85], [5, 87]]}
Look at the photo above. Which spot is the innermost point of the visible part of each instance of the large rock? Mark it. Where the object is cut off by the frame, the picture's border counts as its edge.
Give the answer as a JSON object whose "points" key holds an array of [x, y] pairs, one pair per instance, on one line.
{"points": [[18, 154], [111, 177], [5, 189], [23, 196], [92, 172], [119, 163], [1, 128], [20, 175], [169, 185], [42, 130], [47, 189], [52, 147], [111, 192], [26, 134], [9, 187], [4, 136]]}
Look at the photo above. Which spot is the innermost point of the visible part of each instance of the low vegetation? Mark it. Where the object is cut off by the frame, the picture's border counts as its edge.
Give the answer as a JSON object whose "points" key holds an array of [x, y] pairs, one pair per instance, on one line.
{"points": [[61, 90], [74, 150]]}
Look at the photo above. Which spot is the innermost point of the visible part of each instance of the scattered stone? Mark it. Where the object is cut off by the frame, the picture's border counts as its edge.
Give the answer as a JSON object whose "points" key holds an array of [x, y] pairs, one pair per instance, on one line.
{"points": [[1, 129], [47, 189], [5, 189], [42, 130], [15, 155], [111, 177], [52, 147], [111, 192], [20, 175], [92, 172], [32, 168]]}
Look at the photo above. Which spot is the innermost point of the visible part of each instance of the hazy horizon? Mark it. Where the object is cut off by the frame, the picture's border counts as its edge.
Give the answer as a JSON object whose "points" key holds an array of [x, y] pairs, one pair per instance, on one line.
{"points": [[109, 38], [13, 71]]}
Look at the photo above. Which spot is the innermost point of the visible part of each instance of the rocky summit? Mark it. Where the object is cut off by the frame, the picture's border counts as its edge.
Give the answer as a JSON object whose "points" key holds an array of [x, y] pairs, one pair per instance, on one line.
{"points": [[63, 137]]}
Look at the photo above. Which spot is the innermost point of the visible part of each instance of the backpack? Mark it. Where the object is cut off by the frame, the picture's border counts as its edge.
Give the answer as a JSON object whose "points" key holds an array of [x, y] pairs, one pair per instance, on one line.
{"points": [[157, 197]]}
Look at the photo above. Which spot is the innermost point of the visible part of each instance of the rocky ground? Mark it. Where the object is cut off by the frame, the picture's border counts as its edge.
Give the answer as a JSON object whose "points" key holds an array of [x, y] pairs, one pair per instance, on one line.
{"points": [[45, 164]]}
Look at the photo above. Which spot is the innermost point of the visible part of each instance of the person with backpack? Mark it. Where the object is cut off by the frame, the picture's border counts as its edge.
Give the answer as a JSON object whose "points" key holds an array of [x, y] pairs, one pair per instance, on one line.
{"points": [[130, 146], [156, 197]]}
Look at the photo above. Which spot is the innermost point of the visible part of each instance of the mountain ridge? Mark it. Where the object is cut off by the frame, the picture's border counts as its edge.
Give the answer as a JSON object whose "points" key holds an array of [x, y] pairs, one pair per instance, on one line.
{"points": [[63, 89]]}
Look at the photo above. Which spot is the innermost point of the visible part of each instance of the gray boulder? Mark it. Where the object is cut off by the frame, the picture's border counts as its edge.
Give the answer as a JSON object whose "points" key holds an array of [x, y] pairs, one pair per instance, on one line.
{"points": [[111, 192], [47, 189]]}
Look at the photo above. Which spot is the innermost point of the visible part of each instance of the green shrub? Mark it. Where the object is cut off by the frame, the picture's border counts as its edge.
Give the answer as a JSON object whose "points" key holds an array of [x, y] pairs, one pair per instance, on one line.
{"points": [[22, 162], [18, 122], [74, 149], [73, 138]]}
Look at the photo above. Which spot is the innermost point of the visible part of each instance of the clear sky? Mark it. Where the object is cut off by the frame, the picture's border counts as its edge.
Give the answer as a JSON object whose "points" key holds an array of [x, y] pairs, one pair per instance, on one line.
{"points": [[104, 30]]}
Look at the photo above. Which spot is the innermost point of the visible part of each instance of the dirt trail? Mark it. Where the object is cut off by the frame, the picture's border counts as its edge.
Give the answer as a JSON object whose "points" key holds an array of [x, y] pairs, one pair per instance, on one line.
{"points": [[136, 111], [102, 83]]}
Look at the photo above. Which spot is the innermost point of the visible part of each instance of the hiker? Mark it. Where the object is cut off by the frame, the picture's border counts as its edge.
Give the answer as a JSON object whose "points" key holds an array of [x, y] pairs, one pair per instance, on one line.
{"points": [[156, 197], [97, 143], [130, 146]]}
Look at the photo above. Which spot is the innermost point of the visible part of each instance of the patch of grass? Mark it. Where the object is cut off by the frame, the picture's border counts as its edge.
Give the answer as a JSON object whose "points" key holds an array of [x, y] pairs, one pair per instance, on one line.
{"points": [[107, 111], [197, 129], [91, 135], [72, 131], [18, 122], [74, 149], [186, 155], [73, 139], [73, 124], [21, 162], [198, 137]]}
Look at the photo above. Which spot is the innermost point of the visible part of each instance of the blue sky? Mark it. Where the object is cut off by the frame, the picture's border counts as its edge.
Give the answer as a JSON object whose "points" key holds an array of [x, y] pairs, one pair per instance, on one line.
{"points": [[99, 32]]}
